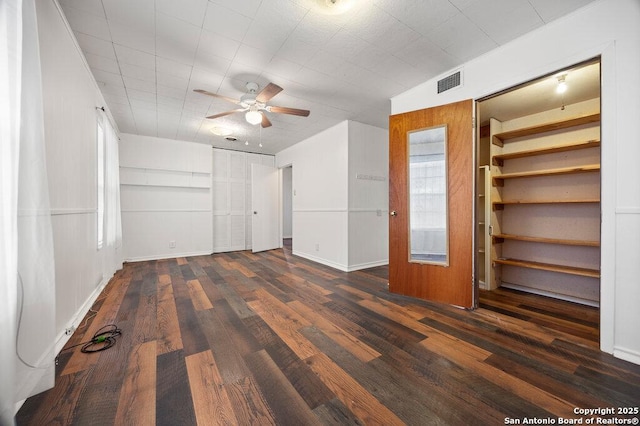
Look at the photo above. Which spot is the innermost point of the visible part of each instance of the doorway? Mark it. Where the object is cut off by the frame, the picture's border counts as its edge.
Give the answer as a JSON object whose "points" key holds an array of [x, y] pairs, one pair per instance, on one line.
{"points": [[287, 207], [538, 191]]}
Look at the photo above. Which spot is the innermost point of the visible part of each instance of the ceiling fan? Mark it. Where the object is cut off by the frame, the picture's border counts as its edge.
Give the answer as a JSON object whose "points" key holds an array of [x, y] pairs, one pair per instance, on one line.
{"points": [[254, 104]]}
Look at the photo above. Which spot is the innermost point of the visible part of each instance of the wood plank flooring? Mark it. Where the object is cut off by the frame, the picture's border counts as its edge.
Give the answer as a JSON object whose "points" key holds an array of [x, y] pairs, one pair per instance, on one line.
{"points": [[270, 338]]}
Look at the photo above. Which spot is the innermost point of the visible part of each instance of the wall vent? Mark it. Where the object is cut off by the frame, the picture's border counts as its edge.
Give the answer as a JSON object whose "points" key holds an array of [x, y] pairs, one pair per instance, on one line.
{"points": [[449, 82]]}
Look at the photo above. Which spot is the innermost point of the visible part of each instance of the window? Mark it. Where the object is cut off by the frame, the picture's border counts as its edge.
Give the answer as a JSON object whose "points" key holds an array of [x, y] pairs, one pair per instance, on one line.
{"points": [[428, 196], [100, 184]]}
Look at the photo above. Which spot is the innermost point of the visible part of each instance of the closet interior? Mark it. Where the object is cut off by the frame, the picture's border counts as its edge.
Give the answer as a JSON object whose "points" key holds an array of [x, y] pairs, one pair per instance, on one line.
{"points": [[538, 186]]}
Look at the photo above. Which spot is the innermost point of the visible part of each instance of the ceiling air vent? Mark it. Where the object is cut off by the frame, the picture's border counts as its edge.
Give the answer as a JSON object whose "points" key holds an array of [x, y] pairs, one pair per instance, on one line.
{"points": [[449, 82]]}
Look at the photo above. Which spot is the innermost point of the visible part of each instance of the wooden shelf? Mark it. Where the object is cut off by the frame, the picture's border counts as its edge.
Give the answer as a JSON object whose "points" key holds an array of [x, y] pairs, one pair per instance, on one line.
{"points": [[572, 270], [499, 238], [498, 180], [498, 160], [499, 205], [500, 138]]}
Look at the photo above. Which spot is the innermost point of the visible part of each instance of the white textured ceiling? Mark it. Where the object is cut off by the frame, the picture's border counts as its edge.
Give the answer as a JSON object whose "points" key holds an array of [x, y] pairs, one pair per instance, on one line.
{"points": [[149, 55]]}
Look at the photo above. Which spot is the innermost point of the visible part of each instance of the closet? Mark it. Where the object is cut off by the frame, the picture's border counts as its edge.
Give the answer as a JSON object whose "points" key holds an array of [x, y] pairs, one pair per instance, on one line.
{"points": [[231, 204], [538, 187]]}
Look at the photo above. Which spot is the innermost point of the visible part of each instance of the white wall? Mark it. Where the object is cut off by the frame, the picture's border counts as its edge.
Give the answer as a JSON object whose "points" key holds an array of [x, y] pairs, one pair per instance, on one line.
{"points": [[320, 203], [368, 196], [610, 28], [165, 189], [335, 219], [70, 98]]}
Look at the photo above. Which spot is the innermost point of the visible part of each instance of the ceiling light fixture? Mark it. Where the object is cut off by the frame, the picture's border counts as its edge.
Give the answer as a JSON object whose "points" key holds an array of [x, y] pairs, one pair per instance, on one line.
{"points": [[220, 131], [253, 116], [562, 84], [334, 7]]}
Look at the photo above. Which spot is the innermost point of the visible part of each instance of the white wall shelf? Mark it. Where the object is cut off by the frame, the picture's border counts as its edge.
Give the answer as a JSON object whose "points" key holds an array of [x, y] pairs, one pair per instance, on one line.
{"points": [[159, 177]]}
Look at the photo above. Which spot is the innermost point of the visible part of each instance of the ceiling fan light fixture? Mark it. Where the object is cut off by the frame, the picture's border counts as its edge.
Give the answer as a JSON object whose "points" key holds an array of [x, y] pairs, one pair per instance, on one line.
{"points": [[562, 84], [253, 117]]}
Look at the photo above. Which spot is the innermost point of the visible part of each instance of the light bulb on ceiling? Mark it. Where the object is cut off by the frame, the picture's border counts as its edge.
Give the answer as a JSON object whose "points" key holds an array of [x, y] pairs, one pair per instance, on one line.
{"points": [[220, 131], [334, 7], [562, 84], [253, 117], [260, 145], [246, 143]]}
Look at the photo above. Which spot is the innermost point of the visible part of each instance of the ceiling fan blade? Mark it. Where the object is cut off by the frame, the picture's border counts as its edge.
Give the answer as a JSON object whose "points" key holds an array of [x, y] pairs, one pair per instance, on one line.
{"points": [[268, 92], [291, 111], [265, 121], [215, 95], [222, 114]]}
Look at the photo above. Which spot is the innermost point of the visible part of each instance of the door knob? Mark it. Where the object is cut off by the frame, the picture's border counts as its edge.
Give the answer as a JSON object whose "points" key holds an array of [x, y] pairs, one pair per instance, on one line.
{"points": [[393, 213]]}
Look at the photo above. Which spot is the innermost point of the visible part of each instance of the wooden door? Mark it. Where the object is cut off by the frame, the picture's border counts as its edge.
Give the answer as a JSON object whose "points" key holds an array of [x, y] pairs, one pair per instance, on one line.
{"points": [[452, 282], [265, 230]]}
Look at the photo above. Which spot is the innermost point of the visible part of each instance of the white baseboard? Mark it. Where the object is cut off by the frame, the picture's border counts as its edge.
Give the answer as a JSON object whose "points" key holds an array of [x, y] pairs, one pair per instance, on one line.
{"points": [[322, 261], [339, 266], [627, 354], [367, 265], [62, 338], [168, 256]]}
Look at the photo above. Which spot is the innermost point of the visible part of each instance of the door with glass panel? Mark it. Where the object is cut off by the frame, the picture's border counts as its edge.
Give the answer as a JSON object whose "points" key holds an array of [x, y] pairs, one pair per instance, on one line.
{"points": [[431, 177]]}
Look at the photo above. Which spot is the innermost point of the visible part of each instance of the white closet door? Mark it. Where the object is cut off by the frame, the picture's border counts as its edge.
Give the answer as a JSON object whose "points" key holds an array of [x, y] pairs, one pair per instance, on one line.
{"points": [[228, 200], [252, 158], [264, 206]]}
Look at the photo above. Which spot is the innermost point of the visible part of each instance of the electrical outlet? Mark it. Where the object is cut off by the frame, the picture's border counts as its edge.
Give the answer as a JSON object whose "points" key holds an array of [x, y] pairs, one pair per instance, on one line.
{"points": [[172, 244], [69, 331]]}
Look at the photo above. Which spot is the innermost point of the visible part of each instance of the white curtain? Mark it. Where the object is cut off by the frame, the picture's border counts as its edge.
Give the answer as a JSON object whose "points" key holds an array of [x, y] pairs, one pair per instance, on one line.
{"points": [[10, 65], [28, 290], [112, 217]]}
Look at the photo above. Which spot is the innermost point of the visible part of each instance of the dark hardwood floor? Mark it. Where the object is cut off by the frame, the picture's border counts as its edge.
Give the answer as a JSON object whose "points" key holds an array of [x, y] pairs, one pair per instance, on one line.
{"points": [[270, 338]]}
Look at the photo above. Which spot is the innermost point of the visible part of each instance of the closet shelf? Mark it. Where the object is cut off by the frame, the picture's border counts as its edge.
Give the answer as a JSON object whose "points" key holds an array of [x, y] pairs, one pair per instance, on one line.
{"points": [[500, 138], [499, 205], [498, 180], [572, 270], [498, 159], [499, 238]]}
